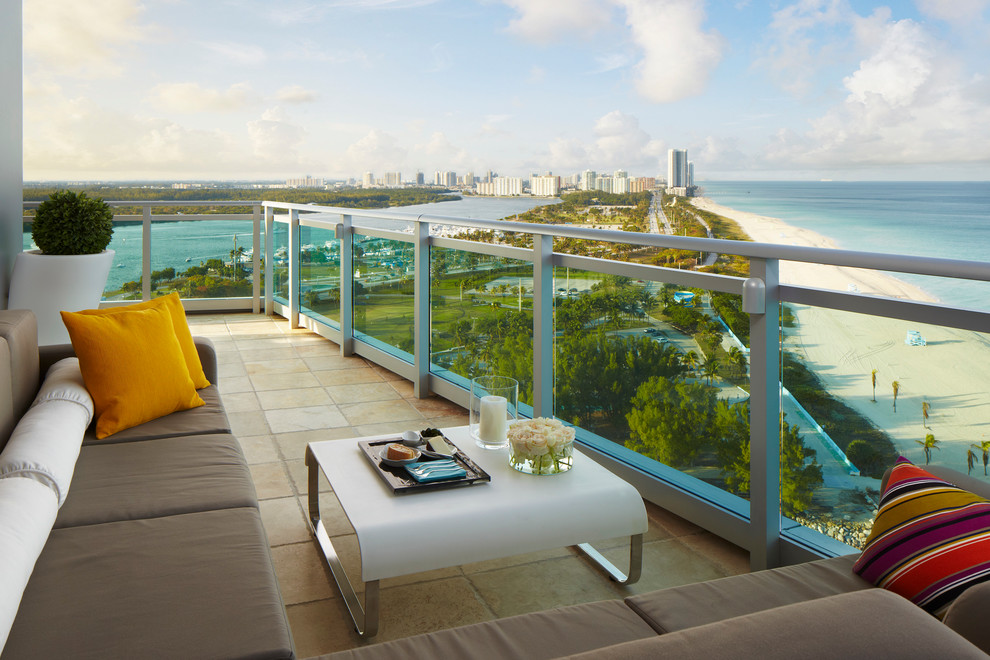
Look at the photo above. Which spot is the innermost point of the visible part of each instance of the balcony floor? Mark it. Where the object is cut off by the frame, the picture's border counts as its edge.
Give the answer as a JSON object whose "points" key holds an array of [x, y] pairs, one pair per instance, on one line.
{"points": [[285, 388]]}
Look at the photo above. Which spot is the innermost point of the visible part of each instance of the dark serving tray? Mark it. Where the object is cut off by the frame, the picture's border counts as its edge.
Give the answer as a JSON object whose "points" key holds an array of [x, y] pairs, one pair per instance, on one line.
{"points": [[401, 482]]}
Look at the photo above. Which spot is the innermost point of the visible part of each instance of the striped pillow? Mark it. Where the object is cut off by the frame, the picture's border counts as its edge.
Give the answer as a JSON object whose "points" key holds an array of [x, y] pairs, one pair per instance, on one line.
{"points": [[930, 539]]}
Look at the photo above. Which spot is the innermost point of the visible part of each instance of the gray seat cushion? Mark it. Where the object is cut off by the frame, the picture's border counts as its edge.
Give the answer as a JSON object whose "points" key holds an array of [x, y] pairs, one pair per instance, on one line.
{"points": [[209, 418], [869, 624], [198, 585], [163, 477], [692, 605], [548, 634]]}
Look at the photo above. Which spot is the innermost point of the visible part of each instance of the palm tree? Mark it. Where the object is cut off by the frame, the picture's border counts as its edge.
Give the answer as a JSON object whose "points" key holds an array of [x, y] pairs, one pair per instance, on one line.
{"points": [[985, 448], [928, 444], [709, 368], [874, 375], [690, 360], [970, 461], [925, 408], [897, 388]]}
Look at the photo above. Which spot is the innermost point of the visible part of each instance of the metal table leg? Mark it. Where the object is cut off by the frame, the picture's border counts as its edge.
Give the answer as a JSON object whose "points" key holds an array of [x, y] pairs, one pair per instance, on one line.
{"points": [[635, 560], [365, 618]]}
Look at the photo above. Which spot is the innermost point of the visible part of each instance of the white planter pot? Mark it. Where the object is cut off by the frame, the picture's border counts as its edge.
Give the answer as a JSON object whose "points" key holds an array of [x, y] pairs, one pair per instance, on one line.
{"points": [[49, 283]]}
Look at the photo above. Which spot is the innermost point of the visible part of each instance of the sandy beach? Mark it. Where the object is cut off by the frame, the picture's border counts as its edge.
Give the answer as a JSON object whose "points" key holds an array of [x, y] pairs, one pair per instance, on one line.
{"points": [[844, 348]]}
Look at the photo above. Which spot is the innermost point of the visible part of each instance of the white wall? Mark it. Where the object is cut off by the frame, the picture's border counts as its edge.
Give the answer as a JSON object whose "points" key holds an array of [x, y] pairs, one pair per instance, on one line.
{"points": [[11, 139]]}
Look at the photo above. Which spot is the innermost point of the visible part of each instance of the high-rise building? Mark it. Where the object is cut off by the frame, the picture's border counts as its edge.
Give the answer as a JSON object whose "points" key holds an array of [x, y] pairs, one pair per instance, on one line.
{"points": [[469, 179], [642, 184], [393, 179], [508, 185], [368, 181], [420, 179], [690, 173], [603, 183], [544, 186], [305, 182], [620, 182], [677, 168], [589, 180]]}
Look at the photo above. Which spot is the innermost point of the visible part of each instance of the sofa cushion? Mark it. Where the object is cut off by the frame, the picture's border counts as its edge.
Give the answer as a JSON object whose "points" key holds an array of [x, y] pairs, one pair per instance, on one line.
{"points": [[869, 624], [168, 476], [547, 634], [27, 511], [930, 540], [208, 418], [133, 366], [173, 305], [968, 615], [19, 329], [696, 604], [198, 585]]}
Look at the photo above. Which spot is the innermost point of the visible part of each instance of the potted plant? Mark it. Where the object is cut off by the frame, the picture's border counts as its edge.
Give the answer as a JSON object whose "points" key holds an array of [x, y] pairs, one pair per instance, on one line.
{"points": [[69, 269]]}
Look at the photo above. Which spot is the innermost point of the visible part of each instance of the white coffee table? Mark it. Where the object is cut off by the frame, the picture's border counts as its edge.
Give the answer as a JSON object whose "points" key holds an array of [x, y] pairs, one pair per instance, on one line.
{"points": [[514, 514]]}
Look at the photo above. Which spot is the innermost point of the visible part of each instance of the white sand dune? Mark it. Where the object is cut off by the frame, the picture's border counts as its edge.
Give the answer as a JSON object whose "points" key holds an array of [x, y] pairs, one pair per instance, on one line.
{"points": [[844, 348]]}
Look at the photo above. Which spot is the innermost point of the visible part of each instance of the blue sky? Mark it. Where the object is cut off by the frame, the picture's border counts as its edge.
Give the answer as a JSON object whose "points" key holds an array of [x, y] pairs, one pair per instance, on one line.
{"points": [[237, 89]]}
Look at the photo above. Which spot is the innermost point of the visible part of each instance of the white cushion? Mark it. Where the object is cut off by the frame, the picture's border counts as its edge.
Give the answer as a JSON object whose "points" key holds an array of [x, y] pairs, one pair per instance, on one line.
{"points": [[45, 443], [27, 513]]}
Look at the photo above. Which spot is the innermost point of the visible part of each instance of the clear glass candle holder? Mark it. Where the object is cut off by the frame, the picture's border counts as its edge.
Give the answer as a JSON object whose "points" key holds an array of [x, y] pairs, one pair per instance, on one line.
{"points": [[494, 405]]}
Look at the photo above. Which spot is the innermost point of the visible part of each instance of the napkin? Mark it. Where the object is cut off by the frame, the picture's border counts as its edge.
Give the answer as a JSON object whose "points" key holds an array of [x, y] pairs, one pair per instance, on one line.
{"points": [[426, 471]]}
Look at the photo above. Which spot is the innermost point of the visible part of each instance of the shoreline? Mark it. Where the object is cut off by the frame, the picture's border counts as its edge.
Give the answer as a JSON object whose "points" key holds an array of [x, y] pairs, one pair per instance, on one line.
{"points": [[843, 348]]}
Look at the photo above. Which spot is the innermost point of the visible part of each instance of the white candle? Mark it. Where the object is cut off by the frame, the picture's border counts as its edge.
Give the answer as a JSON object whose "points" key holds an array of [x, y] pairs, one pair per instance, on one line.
{"points": [[492, 425]]}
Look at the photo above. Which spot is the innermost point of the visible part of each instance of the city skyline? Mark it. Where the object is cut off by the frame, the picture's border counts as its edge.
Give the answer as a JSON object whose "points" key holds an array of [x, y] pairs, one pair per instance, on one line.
{"points": [[175, 90]]}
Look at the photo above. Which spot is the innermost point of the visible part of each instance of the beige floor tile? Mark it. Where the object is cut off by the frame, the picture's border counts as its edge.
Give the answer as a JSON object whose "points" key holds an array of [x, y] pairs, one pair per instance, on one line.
{"points": [[294, 398], [322, 627], [238, 402], [284, 522], [289, 420], [267, 382], [380, 412], [390, 427], [348, 376], [232, 369], [319, 349], [516, 560], [301, 572], [362, 392], [333, 362], [270, 480], [235, 385], [434, 406], [229, 356], [429, 606], [448, 422], [403, 388], [538, 586], [251, 422], [259, 448], [290, 366], [293, 445], [386, 374], [299, 474], [729, 557], [334, 521], [668, 563], [268, 354], [260, 342], [673, 523]]}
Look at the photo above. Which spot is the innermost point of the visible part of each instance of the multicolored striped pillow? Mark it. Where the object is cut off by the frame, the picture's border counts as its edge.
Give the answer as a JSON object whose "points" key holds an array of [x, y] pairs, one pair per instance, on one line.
{"points": [[930, 539]]}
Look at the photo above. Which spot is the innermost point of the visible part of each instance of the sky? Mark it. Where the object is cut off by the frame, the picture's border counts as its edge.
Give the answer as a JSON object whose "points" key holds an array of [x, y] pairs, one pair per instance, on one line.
{"points": [[254, 89]]}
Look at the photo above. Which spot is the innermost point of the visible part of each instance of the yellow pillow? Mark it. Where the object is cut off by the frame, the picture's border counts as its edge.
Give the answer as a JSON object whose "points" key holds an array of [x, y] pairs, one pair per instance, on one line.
{"points": [[173, 304], [132, 365]]}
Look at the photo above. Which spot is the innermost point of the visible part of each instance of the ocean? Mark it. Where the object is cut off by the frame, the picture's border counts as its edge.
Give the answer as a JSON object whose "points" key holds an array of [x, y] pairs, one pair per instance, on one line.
{"points": [[950, 220]]}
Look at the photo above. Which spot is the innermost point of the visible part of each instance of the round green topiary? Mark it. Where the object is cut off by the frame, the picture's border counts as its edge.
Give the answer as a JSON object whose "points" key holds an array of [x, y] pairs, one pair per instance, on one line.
{"points": [[70, 223]]}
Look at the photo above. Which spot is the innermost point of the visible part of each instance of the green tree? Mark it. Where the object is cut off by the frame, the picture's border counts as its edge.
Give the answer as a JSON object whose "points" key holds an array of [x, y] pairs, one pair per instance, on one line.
{"points": [[928, 444], [866, 457], [896, 386], [925, 409], [874, 376], [672, 420], [984, 447], [710, 367]]}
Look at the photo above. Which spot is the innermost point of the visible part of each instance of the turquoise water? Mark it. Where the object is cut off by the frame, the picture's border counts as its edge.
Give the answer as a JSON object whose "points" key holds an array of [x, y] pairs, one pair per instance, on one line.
{"points": [[949, 220]]}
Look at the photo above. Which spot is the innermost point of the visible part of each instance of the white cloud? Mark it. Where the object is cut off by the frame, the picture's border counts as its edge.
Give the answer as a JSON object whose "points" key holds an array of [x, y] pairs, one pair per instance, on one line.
{"points": [[544, 21], [439, 149], [237, 52], [954, 11], [678, 53], [568, 154], [621, 142], [908, 102], [81, 38], [295, 94], [192, 97], [274, 137], [376, 151]]}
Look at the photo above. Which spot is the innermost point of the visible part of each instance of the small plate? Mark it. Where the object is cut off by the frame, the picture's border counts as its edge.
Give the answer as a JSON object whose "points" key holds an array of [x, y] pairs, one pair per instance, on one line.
{"points": [[388, 461]]}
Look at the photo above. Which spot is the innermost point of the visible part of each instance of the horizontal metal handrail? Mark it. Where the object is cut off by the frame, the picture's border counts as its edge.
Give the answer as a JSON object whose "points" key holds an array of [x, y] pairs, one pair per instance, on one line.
{"points": [[934, 266]]}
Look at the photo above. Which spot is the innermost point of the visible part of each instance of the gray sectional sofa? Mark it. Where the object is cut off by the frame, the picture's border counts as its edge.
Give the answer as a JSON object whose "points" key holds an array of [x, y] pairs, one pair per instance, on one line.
{"points": [[158, 550]]}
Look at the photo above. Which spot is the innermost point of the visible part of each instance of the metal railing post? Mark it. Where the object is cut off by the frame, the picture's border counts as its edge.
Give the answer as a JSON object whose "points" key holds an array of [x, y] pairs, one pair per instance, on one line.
{"points": [[294, 270], [256, 259], [542, 326], [346, 286], [764, 420], [421, 310], [146, 252], [269, 261]]}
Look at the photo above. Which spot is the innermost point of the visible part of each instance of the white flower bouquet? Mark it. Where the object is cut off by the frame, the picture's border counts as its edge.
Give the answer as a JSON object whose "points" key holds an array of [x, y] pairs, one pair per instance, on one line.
{"points": [[541, 446]]}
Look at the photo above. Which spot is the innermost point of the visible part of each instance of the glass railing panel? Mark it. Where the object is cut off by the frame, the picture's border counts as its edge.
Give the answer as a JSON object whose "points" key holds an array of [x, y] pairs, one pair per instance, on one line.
{"points": [[198, 259], [384, 271], [870, 389], [481, 310], [280, 262], [319, 275], [655, 370]]}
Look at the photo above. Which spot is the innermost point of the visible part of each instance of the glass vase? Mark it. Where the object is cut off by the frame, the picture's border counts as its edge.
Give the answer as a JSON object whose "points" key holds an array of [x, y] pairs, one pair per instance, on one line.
{"points": [[493, 406]]}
